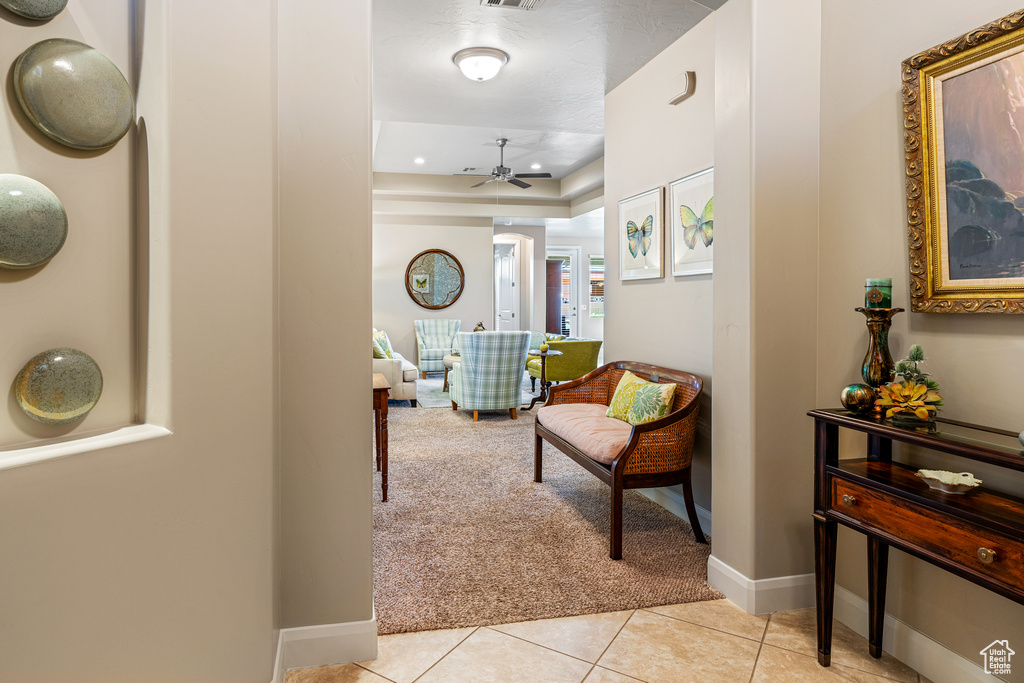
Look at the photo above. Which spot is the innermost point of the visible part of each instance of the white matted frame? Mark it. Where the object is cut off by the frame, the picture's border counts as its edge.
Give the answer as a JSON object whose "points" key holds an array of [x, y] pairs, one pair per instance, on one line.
{"points": [[641, 235], [691, 206]]}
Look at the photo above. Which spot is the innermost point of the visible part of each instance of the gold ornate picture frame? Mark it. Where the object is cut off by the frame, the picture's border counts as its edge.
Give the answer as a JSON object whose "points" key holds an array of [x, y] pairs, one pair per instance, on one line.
{"points": [[963, 107]]}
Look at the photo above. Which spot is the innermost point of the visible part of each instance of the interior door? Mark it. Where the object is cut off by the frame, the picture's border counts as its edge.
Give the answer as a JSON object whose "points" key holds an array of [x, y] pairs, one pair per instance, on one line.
{"points": [[553, 297], [506, 299]]}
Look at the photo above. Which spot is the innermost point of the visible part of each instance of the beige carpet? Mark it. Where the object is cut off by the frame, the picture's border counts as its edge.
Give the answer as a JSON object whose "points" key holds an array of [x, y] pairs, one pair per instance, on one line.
{"points": [[468, 539]]}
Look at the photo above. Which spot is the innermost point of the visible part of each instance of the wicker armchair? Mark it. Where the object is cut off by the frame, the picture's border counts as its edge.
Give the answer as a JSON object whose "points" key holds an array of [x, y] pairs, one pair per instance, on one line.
{"points": [[657, 453]]}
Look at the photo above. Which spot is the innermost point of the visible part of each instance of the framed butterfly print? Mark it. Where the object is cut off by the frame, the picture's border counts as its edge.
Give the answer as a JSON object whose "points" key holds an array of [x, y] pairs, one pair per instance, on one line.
{"points": [[640, 236], [692, 214]]}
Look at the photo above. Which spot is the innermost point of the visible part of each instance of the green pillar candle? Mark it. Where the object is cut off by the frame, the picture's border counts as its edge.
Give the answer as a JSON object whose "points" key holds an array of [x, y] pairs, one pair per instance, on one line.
{"points": [[878, 293]]}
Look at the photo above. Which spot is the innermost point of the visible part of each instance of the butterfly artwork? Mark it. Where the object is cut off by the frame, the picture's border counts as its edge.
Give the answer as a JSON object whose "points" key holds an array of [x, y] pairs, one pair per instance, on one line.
{"points": [[695, 226], [693, 233], [639, 238], [421, 283], [641, 235]]}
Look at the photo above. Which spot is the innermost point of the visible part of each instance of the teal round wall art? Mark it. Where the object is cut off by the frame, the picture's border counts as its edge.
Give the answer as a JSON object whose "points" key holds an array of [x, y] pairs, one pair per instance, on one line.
{"points": [[73, 94], [35, 9], [59, 386], [33, 223]]}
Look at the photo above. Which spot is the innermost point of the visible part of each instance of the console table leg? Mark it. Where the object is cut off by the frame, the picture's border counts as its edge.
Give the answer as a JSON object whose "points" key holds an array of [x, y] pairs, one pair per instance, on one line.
{"points": [[878, 568], [824, 583]]}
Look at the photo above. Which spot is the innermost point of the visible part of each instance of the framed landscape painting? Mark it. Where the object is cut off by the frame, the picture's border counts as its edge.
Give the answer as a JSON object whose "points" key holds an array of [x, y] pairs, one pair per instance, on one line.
{"points": [[691, 212], [965, 180], [640, 236]]}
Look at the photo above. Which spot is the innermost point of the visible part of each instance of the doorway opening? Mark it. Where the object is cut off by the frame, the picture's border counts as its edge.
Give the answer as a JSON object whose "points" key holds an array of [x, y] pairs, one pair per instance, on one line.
{"points": [[563, 287]]}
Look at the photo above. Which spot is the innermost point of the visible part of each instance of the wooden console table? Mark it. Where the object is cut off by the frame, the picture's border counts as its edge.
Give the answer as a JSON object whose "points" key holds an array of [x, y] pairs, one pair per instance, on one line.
{"points": [[381, 389], [978, 536]]}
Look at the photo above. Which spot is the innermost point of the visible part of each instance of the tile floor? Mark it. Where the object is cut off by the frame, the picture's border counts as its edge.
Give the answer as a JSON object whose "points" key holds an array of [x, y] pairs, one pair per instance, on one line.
{"points": [[700, 642]]}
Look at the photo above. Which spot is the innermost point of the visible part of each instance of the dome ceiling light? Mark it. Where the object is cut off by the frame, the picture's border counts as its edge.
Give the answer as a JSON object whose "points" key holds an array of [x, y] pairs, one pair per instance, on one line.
{"points": [[480, 63]]}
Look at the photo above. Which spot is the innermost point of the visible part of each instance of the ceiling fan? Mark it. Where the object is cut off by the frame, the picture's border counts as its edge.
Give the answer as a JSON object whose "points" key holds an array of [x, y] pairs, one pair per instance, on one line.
{"points": [[503, 173]]}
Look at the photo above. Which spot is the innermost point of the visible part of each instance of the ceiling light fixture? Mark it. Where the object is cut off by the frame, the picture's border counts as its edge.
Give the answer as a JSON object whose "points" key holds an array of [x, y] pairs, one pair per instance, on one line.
{"points": [[535, 166], [419, 160], [480, 63]]}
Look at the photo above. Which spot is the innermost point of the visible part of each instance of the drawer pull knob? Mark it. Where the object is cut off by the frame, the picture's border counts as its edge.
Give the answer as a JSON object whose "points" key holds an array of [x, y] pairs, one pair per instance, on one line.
{"points": [[849, 501], [987, 556]]}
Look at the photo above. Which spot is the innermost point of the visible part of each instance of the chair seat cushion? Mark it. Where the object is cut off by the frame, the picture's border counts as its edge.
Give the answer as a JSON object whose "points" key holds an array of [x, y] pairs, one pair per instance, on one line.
{"points": [[585, 426]]}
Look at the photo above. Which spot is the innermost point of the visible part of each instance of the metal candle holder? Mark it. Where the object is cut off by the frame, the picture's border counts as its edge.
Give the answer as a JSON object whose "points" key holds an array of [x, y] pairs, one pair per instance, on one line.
{"points": [[878, 363]]}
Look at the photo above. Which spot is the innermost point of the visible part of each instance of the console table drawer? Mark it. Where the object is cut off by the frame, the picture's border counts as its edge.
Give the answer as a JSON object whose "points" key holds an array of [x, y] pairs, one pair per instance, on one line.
{"points": [[942, 536]]}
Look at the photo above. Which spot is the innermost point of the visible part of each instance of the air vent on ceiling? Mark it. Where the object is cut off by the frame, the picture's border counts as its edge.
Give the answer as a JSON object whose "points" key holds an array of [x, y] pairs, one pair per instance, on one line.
{"points": [[513, 4]]}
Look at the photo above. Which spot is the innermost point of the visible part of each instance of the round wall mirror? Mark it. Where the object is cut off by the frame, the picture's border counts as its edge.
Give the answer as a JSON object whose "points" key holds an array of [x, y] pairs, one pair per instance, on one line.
{"points": [[434, 279]]}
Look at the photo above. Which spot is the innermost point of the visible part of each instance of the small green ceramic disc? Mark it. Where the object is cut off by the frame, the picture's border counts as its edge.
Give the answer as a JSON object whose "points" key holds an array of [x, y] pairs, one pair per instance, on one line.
{"points": [[73, 94], [33, 223], [35, 9], [59, 386]]}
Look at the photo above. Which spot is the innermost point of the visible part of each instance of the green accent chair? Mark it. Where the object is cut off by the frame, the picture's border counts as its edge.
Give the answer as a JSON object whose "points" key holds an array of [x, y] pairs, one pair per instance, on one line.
{"points": [[579, 356]]}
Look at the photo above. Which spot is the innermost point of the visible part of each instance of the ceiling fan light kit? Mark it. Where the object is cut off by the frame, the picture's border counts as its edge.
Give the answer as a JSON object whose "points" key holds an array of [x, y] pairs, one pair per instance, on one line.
{"points": [[480, 63]]}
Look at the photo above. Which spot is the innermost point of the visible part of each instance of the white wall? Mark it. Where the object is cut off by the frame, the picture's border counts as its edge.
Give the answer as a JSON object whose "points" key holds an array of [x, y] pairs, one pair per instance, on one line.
{"points": [[324, 276], [396, 241], [154, 561], [648, 143], [975, 358]]}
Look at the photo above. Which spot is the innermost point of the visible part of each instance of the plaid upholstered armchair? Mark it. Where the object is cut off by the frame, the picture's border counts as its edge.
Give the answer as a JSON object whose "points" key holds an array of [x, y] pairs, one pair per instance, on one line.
{"points": [[435, 339], [489, 373]]}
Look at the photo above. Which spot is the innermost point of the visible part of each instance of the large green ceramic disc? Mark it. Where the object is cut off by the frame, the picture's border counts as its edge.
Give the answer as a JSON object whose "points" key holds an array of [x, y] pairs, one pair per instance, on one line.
{"points": [[73, 94], [33, 224], [58, 386], [35, 9]]}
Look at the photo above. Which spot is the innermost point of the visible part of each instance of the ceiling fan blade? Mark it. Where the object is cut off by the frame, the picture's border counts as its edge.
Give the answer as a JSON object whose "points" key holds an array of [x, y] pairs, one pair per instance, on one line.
{"points": [[519, 183], [533, 175], [490, 180]]}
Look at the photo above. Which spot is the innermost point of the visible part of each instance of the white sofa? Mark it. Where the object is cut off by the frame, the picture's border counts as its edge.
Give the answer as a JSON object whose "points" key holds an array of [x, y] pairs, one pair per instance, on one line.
{"points": [[401, 375]]}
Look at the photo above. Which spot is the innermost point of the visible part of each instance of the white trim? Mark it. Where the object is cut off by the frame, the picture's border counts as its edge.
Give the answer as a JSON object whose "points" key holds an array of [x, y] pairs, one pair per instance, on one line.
{"points": [[777, 594], [931, 659], [673, 501], [26, 456], [325, 645]]}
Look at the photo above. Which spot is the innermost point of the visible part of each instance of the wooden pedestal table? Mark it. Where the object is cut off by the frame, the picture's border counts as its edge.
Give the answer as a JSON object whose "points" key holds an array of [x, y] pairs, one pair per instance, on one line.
{"points": [[381, 389], [978, 536], [449, 362], [543, 395]]}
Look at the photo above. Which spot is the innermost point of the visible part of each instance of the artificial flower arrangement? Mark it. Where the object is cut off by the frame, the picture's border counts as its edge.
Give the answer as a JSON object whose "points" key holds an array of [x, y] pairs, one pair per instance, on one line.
{"points": [[916, 395]]}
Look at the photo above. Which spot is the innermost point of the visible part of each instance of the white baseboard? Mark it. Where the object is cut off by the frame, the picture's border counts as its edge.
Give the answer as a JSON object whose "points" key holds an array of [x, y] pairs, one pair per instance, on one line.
{"points": [[325, 645], [673, 501], [762, 596], [931, 659]]}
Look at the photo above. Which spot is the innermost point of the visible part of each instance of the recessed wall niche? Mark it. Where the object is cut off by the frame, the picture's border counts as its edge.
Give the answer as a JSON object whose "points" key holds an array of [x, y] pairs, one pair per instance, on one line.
{"points": [[87, 296]]}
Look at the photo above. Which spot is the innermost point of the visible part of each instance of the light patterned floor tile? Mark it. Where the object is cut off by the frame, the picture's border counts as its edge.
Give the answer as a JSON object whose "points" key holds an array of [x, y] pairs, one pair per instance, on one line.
{"points": [[489, 655], [720, 615], [653, 647], [599, 675], [797, 631], [403, 657], [585, 637], [775, 664], [342, 673]]}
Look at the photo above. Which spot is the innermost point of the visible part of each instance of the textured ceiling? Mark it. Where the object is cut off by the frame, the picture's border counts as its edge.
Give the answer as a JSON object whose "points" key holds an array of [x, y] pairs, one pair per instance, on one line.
{"points": [[548, 100]]}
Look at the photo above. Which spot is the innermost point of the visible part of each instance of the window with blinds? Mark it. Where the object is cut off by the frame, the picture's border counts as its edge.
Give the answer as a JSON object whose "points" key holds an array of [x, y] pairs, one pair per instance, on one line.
{"points": [[597, 286]]}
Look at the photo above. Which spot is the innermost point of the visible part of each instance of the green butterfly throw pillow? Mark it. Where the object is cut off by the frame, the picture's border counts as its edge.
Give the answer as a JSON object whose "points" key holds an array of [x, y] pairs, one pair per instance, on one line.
{"points": [[380, 338], [637, 401]]}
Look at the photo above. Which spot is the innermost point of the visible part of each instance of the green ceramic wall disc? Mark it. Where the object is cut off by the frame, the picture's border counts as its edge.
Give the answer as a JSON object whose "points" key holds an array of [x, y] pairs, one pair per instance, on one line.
{"points": [[35, 9], [33, 224], [58, 386], [73, 94]]}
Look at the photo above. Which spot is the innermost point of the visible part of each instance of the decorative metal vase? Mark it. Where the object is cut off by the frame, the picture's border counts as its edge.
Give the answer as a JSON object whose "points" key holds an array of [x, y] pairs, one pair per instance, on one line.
{"points": [[878, 363]]}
